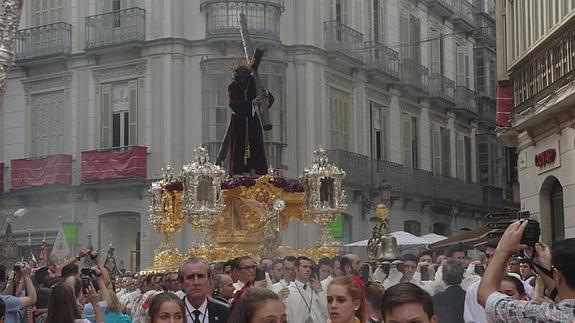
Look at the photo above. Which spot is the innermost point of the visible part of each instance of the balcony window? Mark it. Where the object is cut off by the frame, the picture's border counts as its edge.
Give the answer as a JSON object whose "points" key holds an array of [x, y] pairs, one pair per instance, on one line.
{"points": [[47, 11], [413, 227], [441, 229], [463, 157], [441, 150], [119, 110], [47, 123], [339, 117], [216, 113], [379, 116], [410, 140]]}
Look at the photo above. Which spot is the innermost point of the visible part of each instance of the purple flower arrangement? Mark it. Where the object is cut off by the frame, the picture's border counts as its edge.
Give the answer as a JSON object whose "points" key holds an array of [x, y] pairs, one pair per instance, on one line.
{"points": [[288, 185], [174, 186], [245, 181]]}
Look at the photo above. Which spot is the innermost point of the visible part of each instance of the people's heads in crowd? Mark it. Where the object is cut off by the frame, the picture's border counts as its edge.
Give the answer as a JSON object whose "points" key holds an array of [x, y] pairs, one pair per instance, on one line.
{"points": [[490, 251], [405, 303], [345, 300], [276, 272], [70, 270], [3, 277], [452, 272], [457, 252], [426, 256], [166, 307], [195, 276], [247, 269], [288, 268], [41, 276], [337, 266], [258, 305], [223, 286], [562, 255], [172, 283], [525, 269], [266, 264], [325, 268], [62, 306], [513, 265], [409, 265], [228, 268], [512, 286], [303, 269], [374, 298], [350, 264], [439, 260], [218, 268]]}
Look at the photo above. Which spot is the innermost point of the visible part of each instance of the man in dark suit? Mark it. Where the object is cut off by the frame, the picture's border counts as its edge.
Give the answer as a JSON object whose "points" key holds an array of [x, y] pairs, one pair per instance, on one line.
{"points": [[449, 304], [195, 276]]}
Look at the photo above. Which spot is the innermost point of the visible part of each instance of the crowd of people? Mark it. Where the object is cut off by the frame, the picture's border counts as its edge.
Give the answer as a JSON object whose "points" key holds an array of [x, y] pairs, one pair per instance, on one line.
{"points": [[511, 282]]}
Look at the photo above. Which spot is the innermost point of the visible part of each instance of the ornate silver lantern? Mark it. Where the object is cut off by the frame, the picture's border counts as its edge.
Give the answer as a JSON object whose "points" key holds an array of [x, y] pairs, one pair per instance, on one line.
{"points": [[202, 198], [324, 199]]}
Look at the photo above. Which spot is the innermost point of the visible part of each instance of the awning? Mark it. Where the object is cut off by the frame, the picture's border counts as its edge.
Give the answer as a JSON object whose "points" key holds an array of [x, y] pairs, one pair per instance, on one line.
{"points": [[470, 239]]}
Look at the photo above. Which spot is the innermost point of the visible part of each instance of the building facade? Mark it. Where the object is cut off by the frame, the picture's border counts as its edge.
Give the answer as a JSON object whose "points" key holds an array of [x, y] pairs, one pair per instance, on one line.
{"points": [[535, 69], [105, 93]]}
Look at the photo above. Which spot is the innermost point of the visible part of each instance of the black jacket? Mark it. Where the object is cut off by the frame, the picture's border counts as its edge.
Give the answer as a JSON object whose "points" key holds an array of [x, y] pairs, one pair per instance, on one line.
{"points": [[448, 305], [218, 313]]}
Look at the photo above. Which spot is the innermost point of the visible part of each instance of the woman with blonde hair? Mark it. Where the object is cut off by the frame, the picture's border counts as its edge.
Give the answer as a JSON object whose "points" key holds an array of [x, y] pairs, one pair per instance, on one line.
{"points": [[345, 302], [115, 311]]}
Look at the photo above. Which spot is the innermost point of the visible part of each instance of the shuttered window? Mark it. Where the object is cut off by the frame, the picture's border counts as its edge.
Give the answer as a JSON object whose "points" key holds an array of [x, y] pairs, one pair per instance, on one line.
{"points": [[409, 140], [47, 123], [441, 150], [47, 11], [380, 131], [462, 65], [410, 35], [339, 108]]}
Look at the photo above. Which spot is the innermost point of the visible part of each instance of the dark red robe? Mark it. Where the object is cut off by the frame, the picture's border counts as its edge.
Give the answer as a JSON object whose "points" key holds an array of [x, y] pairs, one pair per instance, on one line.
{"points": [[240, 102]]}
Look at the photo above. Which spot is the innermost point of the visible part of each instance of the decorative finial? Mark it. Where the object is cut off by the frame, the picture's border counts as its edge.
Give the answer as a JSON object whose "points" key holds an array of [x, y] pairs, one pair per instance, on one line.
{"points": [[201, 155]]}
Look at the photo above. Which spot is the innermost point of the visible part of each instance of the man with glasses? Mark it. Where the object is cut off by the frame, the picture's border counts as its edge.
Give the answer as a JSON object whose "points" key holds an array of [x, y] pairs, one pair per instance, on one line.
{"points": [[246, 272], [195, 276]]}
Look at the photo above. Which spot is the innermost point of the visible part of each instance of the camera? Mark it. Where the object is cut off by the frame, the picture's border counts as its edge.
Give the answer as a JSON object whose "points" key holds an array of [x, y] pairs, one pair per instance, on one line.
{"points": [[531, 234], [17, 268], [260, 274], [479, 270], [93, 254], [424, 273]]}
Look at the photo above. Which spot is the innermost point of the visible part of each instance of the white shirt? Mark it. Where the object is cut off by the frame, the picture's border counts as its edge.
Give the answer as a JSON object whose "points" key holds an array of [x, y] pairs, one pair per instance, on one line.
{"points": [[280, 285], [305, 302], [238, 285], [204, 316], [473, 312]]}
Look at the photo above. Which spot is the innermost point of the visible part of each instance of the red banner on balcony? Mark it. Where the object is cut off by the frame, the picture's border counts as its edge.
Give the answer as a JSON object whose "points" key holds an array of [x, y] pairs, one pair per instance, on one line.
{"points": [[504, 105], [113, 164], [52, 170]]}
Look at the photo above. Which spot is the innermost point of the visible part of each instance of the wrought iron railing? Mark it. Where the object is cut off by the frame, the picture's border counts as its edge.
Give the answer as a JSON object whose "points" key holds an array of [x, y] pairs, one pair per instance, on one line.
{"points": [[414, 74], [486, 7], [382, 58], [547, 67], [116, 28], [464, 11], [363, 172], [43, 41], [465, 99], [485, 28], [446, 4], [341, 38], [263, 17], [442, 87]]}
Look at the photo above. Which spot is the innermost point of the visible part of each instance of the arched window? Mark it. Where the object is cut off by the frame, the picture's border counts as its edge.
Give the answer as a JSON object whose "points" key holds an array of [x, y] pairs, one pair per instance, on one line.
{"points": [[413, 227], [557, 216]]}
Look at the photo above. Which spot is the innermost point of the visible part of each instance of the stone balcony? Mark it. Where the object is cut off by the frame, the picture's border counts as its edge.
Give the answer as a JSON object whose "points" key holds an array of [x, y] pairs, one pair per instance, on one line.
{"points": [[382, 62], [443, 8], [464, 16], [442, 91], [43, 43], [414, 77], [344, 44]]}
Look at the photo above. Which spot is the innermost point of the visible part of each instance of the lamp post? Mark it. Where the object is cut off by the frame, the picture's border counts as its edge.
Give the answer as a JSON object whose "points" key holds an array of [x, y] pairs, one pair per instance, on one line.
{"points": [[202, 194], [324, 198]]}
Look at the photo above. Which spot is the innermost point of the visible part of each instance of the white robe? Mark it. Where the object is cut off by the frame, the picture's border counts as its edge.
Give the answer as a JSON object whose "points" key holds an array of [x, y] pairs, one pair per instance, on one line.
{"points": [[314, 305]]}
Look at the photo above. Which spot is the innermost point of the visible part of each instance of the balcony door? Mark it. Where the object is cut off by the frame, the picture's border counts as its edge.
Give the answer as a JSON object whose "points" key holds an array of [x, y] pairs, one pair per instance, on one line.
{"points": [[379, 117], [47, 11]]}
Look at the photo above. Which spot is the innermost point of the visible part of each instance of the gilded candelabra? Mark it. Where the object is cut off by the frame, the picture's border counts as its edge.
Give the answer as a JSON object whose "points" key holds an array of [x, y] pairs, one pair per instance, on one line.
{"points": [[10, 11], [202, 198], [166, 216], [324, 199]]}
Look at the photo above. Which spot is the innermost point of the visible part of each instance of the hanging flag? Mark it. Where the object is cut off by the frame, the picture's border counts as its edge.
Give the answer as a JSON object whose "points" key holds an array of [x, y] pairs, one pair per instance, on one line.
{"points": [[60, 251]]}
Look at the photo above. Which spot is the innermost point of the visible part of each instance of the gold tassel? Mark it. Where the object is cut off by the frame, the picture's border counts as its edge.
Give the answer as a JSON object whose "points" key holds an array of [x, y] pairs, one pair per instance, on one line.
{"points": [[247, 153]]}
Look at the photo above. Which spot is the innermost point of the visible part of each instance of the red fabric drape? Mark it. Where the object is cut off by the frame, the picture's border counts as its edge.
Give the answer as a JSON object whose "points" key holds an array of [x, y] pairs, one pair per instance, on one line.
{"points": [[51, 170], [113, 164], [504, 105]]}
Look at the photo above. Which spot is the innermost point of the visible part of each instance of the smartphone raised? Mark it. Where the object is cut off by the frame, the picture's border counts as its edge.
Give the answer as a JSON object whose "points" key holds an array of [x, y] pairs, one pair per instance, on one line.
{"points": [[260, 274]]}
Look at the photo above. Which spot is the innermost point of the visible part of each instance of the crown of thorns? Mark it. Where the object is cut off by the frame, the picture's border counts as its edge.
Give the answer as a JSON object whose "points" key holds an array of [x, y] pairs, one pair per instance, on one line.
{"points": [[240, 62]]}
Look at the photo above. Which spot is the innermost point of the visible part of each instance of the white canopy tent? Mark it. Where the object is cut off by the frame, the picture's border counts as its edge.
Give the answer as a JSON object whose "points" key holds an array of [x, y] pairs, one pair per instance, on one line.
{"points": [[403, 239], [433, 238]]}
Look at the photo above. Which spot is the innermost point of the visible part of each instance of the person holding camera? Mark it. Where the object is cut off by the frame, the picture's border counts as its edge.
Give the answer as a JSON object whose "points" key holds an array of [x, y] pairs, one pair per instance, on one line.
{"points": [[555, 265], [13, 303]]}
